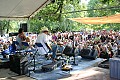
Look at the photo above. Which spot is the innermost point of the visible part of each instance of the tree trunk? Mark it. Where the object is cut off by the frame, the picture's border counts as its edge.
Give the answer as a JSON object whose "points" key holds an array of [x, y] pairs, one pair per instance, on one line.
{"points": [[8, 25]]}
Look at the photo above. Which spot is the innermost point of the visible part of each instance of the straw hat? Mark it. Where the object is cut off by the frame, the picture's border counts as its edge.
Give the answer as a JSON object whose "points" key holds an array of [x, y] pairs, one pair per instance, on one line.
{"points": [[44, 29], [60, 43]]}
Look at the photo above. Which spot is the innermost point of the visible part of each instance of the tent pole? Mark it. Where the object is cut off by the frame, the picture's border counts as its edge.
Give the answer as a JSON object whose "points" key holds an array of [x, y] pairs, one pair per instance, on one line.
{"points": [[28, 25]]}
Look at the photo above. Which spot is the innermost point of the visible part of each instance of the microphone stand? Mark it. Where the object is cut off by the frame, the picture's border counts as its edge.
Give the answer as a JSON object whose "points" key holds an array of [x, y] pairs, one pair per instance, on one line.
{"points": [[74, 63]]}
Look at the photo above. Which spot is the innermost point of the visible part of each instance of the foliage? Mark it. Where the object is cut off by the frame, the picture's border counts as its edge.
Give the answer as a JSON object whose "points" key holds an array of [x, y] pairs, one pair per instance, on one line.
{"points": [[55, 16], [4, 27], [52, 16], [99, 5], [109, 1]]}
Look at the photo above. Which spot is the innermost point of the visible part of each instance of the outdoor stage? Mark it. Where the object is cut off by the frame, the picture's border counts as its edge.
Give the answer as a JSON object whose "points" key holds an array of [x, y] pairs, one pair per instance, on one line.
{"points": [[86, 69], [59, 74]]}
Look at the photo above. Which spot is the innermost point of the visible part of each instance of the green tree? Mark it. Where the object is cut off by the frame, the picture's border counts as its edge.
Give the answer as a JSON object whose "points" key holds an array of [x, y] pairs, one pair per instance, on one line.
{"points": [[98, 8], [4, 26], [55, 16]]}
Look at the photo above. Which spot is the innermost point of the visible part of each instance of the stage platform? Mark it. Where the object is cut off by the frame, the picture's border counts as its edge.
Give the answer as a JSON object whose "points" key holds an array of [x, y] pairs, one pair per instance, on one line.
{"points": [[85, 70], [59, 74]]}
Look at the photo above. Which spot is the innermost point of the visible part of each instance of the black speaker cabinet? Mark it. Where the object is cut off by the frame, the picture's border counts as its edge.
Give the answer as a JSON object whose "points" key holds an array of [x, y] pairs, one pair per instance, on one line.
{"points": [[24, 26], [4, 63], [89, 53], [17, 64], [68, 51], [13, 34]]}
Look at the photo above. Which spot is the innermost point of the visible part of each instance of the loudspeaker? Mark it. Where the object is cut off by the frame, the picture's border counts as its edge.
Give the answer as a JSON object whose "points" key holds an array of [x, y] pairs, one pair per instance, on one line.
{"points": [[24, 26], [17, 64], [89, 53], [4, 63], [13, 34], [68, 51]]}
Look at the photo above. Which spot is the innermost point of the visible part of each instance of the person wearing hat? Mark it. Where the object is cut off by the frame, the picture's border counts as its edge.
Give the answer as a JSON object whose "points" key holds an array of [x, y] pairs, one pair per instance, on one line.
{"points": [[44, 40]]}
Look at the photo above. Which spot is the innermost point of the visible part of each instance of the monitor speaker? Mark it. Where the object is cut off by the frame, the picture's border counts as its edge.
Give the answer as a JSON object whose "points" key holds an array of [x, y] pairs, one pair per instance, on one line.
{"points": [[18, 64], [24, 26], [89, 53]]}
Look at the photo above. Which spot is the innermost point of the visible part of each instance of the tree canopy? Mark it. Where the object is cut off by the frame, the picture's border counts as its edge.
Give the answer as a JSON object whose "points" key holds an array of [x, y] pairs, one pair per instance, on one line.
{"points": [[55, 15]]}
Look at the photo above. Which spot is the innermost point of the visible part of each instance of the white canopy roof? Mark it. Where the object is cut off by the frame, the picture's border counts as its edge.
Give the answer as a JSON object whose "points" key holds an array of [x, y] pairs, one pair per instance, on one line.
{"points": [[20, 9]]}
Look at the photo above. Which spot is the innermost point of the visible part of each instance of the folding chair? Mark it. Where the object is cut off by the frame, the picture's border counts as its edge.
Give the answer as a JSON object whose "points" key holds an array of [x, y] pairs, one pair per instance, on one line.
{"points": [[40, 45]]}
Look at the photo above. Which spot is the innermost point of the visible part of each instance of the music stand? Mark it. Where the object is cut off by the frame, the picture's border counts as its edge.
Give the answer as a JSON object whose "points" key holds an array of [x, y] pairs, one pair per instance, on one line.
{"points": [[40, 45], [27, 45], [74, 63]]}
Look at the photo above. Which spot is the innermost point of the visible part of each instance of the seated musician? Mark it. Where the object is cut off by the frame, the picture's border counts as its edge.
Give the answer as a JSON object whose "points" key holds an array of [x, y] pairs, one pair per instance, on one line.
{"points": [[20, 37], [44, 40]]}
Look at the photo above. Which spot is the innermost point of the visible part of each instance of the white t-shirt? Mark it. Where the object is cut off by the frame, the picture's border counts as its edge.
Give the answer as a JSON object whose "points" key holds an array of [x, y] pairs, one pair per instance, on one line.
{"points": [[19, 40], [42, 38]]}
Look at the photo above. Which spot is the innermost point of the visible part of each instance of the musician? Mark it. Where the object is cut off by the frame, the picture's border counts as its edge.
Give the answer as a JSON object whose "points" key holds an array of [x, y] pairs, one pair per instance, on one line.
{"points": [[20, 37], [43, 38]]}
